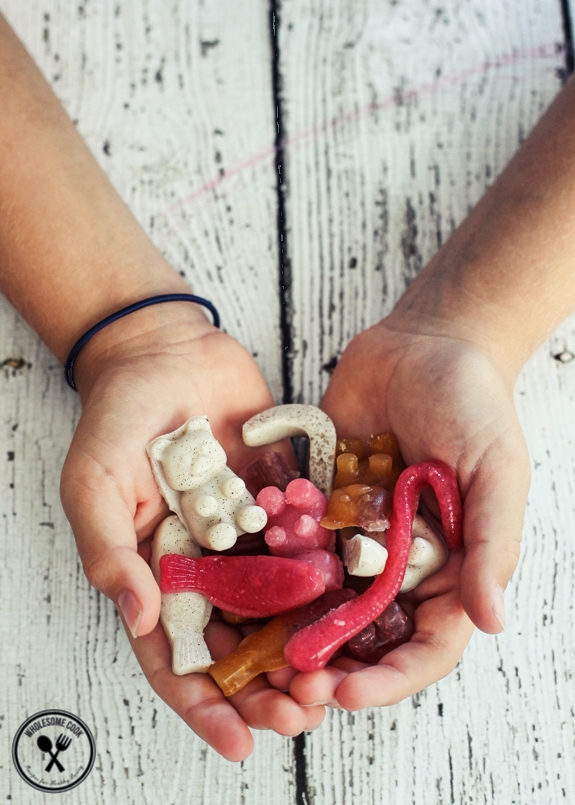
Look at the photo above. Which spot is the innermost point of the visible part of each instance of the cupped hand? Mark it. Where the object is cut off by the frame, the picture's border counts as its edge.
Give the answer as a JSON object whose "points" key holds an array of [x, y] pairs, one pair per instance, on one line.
{"points": [[447, 398], [145, 377]]}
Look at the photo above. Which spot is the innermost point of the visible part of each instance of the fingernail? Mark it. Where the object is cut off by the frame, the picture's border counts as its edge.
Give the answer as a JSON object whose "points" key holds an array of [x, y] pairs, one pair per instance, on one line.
{"points": [[131, 610], [499, 606], [330, 703]]}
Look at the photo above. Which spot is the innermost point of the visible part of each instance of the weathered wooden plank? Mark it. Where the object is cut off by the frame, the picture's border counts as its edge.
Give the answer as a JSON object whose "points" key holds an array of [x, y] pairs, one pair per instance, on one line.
{"points": [[177, 108], [386, 145], [397, 117]]}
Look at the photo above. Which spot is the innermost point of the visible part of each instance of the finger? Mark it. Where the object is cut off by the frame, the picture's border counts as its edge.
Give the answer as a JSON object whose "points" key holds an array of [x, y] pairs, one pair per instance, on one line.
{"points": [[317, 687], [261, 706], [494, 508], [265, 708], [194, 697], [107, 543], [442, 632], [281, 679]]}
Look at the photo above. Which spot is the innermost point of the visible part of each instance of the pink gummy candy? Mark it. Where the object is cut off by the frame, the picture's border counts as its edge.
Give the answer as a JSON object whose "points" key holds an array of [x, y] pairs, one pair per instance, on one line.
{"points": [[327, 563], [293, 518], [310, 649], [252, 586]]}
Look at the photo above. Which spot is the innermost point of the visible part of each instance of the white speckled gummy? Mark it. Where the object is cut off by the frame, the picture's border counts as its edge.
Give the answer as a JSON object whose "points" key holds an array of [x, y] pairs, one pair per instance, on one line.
{"points": [[190, 469], [284, 421], [183, 615]]}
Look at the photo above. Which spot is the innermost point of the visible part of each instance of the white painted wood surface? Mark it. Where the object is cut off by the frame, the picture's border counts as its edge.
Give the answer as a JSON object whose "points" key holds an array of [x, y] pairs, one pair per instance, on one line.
{"points": [[397, 116]]}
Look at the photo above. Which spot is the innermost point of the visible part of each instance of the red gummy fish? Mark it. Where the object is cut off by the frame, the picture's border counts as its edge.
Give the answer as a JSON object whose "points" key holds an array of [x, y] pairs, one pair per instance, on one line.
{"points": [[252, 586]]}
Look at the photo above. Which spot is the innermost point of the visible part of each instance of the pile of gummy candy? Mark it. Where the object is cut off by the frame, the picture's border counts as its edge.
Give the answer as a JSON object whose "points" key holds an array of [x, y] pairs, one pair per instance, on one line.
{"points": [[275, 561]]}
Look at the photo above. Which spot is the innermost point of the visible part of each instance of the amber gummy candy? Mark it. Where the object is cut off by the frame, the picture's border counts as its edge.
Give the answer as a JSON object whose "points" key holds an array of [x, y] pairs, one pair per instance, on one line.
{"points": [[351, 444], [358, 505], [381, 467]]}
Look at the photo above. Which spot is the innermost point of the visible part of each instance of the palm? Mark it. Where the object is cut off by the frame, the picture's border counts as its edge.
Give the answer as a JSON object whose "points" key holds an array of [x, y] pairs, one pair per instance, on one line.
{"points": [[114, 506], [445, 399]]}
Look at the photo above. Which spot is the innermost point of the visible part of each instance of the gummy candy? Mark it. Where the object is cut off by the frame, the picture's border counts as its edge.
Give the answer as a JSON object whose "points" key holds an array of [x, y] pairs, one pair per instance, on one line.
{"points": [[284, 421], [184, 616], [327, 563], [365, 555], [358, 505], [271, 469], [189, 466], [311, 648], [381, 468], [389, 630], [264, 650], [254, 586], [293, 518], [384, 443], [375, 470], [351, 444]]}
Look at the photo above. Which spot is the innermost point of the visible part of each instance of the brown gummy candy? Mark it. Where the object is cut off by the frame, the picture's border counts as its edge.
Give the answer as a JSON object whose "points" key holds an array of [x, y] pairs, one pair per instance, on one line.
{"points": [[388, 631], [384, 443], [271, 469], [351, 444], [238, 620], [381, 467], [358, 505]]}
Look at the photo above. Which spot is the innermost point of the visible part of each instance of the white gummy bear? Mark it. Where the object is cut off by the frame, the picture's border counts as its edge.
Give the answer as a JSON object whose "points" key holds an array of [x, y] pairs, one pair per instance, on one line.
{"points": [[213, 503]]}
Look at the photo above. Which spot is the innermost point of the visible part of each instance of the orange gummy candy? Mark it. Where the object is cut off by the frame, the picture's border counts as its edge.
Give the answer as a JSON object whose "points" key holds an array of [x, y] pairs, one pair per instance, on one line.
{"points": [[382, 467], [263, 651], [351, 444], [359, 505]]}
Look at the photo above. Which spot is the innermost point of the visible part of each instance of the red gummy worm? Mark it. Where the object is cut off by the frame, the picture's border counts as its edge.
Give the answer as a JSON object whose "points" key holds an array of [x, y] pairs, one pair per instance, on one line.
{"points": [[253, 586], [311, 648]]}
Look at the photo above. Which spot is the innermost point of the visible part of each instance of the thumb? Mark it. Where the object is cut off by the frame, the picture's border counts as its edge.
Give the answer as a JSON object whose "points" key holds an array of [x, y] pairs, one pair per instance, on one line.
{"points": [[107, 543], [494, 509]]}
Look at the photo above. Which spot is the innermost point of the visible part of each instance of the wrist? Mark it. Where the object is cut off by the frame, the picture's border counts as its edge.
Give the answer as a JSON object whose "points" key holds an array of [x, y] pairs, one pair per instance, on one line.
{"points": [[439, 305], [161, 329]]}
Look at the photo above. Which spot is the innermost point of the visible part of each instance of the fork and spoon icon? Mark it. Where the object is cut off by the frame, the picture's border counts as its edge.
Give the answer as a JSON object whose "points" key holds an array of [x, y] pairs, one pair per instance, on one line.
{"points": [[45, 745]]}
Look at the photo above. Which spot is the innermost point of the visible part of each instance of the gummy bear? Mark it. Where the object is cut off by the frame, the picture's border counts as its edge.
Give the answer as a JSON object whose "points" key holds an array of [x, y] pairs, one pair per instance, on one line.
{"points": [[358, 505], [213, 503]]}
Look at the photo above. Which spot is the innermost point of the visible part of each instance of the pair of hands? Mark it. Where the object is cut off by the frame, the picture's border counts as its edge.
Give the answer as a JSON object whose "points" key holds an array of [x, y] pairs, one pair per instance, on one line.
{"points": [[443, 397]]}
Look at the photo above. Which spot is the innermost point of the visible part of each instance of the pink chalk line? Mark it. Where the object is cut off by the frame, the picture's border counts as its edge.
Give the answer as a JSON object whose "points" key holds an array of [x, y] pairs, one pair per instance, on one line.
{"points": [[438, 85]]}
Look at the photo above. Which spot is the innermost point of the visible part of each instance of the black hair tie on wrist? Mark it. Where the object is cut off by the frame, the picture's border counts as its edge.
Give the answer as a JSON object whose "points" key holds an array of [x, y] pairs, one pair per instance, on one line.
{"points": [[152, 300]]}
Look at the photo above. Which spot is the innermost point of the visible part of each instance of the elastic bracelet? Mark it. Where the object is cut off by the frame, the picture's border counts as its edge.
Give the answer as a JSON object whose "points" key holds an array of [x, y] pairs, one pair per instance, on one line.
{"points": [[153, 300]]}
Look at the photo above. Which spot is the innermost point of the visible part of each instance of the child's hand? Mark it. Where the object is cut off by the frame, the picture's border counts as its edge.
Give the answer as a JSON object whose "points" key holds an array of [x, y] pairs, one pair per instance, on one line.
{"points": [[143, 376], [444, 398]]}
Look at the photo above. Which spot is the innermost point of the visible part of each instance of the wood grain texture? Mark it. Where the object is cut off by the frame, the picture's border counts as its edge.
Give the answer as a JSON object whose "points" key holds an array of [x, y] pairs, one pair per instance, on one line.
{"points": [[177, 108], [397, 117]]}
